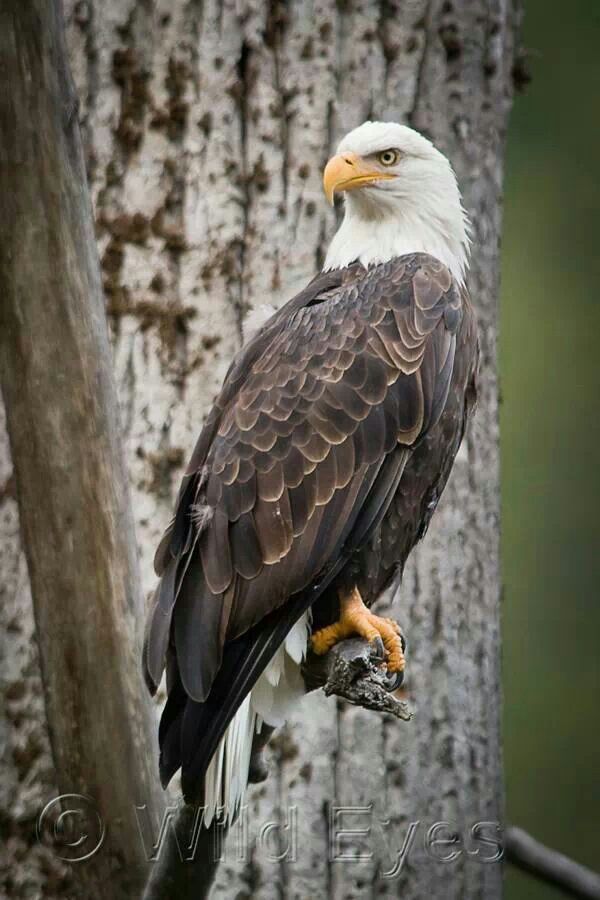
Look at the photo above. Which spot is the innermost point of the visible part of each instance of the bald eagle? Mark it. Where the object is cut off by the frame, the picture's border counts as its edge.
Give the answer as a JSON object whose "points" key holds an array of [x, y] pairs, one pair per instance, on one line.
{"points": [[319, 465]]}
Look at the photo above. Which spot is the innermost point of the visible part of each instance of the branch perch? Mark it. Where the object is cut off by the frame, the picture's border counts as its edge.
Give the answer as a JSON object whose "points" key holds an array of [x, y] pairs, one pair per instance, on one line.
{"points": [[353, 670], [524, 852]]}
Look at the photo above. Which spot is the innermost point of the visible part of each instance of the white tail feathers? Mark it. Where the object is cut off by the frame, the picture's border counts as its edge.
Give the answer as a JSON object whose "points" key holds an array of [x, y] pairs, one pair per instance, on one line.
{"points": [[227, 773], [271, 700]]}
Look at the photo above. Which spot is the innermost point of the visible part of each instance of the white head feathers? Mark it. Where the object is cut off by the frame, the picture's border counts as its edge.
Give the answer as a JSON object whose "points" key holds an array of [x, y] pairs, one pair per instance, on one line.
{"points": [[403, 201]]}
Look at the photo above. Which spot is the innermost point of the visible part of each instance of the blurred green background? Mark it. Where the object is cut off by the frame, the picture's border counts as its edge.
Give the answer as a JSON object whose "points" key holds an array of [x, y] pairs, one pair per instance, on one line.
{"points": [[550, 337]]}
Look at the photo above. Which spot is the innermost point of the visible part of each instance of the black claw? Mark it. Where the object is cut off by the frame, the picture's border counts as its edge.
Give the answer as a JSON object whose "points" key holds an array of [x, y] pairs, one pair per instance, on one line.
{"points": [[394, 681], [378, 641]]}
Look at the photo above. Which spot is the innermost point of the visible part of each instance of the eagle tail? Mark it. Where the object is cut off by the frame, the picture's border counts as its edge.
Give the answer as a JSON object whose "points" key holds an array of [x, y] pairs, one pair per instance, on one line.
{"points": [[271, 701], [227, 773], [215, 772]]}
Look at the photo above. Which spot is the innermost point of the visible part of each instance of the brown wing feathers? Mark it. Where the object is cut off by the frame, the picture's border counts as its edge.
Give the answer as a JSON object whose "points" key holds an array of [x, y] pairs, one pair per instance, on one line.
{"points": [[291, 464]]}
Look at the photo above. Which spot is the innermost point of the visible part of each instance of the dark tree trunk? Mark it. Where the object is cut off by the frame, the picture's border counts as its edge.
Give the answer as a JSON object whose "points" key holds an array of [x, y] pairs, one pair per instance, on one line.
{"points": [[56, 372]]}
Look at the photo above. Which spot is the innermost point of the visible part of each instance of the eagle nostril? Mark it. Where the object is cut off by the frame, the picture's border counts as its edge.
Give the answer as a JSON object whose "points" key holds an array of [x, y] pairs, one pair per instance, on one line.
{"points": [[349, 160]]}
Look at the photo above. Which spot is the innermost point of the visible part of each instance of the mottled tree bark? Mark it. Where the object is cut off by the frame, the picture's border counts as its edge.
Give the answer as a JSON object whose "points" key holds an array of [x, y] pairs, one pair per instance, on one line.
{"points": [[56, 376], [206, 127]]}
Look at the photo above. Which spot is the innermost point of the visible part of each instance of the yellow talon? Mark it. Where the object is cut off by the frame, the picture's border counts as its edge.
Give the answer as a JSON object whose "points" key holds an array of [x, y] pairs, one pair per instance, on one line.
{"points": [[356, 618]]}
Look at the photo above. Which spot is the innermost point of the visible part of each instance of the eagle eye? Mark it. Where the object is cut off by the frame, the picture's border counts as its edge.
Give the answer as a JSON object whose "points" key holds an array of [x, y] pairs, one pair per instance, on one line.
{"points": [[388, 157]]}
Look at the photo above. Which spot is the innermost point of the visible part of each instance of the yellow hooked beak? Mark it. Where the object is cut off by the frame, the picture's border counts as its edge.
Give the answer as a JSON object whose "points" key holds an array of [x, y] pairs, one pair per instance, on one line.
{"points": [[348, 171]]}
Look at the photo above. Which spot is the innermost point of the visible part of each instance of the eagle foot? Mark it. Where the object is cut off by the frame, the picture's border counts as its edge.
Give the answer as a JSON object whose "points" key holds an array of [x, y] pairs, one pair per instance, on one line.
{"points": [[356, 618]]}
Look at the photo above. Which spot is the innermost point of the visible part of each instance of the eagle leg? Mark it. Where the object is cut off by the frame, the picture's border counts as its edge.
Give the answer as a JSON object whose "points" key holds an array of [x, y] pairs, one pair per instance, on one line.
{"points": [[356, 618]]}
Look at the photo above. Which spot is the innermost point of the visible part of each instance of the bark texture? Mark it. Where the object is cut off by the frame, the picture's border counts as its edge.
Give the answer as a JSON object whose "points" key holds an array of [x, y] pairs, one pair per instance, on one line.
{"points": [[206, 126], [56, 376]]}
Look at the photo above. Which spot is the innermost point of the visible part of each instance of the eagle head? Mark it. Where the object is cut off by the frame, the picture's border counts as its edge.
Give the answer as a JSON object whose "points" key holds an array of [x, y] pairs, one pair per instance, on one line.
{"points": [[401, 196]]}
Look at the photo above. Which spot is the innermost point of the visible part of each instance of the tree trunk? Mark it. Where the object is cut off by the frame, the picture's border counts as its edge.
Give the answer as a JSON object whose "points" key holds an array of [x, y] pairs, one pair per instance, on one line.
{"points": [[206, 126], [56, 375]]}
